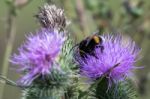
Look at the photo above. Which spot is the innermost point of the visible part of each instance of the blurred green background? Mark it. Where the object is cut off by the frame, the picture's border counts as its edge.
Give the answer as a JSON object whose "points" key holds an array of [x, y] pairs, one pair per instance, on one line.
{"points": [[129, 17]]}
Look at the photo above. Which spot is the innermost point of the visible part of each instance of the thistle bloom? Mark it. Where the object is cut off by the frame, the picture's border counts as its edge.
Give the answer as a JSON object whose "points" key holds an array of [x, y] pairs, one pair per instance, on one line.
{"points": [[38, 54], [116, 61]]}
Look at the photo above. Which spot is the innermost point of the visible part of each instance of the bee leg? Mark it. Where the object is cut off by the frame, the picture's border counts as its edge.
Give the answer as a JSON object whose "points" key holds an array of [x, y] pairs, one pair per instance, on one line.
{"points": [[102, 49], [94, 54]]}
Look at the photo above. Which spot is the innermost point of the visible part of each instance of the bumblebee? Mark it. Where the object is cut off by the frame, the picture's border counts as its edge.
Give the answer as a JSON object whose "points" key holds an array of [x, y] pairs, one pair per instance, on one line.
{"points": [[87, 46]]}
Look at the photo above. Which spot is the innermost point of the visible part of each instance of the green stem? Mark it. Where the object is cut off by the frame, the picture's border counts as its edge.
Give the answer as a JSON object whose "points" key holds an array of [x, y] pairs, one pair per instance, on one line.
{"points": [[82, 16], [11, 32], [7, 81]]}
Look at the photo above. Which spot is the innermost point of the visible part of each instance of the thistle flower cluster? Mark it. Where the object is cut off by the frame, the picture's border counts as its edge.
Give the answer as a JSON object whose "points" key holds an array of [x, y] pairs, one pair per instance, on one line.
{"points": [[116, 62], [38, 54], [41, 51], [45, 59]]}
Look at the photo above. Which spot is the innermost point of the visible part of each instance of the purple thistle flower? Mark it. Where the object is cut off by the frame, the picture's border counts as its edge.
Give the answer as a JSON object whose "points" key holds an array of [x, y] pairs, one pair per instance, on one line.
{"points": [[38, 54], [116, 61]]}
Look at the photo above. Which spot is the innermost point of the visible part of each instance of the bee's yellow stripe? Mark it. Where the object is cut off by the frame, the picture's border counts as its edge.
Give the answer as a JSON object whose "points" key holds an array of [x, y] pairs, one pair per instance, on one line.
{"points": [[96, 39]]}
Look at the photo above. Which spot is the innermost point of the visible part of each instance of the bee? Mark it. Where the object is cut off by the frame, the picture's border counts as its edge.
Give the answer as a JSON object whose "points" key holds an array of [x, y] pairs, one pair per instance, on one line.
{"points": [[87, 46]]}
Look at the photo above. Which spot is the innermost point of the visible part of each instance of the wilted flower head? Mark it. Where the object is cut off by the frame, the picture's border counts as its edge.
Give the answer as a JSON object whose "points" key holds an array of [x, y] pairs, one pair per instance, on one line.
{"points": [[52, 17], [38, 54], [116, 61]]}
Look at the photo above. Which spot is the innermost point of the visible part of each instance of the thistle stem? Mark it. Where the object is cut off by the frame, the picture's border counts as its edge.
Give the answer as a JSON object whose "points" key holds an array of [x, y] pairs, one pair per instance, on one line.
{"points": [[82, 18], [7, 81], [11, 32]]}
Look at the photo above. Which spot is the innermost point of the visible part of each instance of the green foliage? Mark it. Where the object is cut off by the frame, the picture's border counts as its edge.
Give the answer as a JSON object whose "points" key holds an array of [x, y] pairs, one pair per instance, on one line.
{"points": [[63, 84], [103, 89], [60, 83], [44, 93], [47, 87], [66, 61], [120, 90], [66, 57]]}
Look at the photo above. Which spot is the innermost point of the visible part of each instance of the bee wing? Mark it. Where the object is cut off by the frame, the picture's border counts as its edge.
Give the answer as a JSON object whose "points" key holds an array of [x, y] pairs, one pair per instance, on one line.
{"points": [[96, 32]]}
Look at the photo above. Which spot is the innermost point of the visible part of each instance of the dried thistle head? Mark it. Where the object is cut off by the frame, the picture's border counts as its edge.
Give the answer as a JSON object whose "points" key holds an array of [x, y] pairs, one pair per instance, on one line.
{"points": [[52, 17]]}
